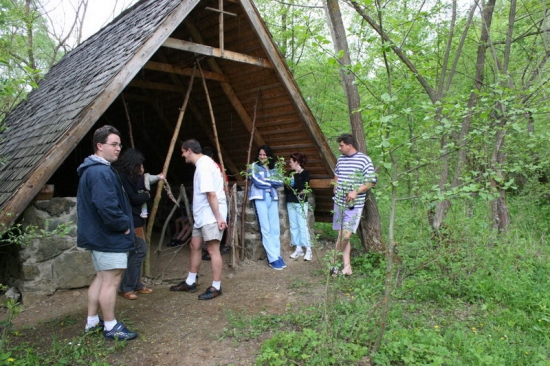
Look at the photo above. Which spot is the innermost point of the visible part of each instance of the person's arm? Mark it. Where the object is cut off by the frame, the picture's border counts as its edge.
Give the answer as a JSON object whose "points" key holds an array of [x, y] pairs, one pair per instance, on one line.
{"points": [[257, 179], [213, 201], [355, 192]]}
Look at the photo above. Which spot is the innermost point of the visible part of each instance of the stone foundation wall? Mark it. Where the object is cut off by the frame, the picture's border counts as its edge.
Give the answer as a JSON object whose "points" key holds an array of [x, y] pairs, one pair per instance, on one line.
{"points": [[56, 263], [53, 262]]}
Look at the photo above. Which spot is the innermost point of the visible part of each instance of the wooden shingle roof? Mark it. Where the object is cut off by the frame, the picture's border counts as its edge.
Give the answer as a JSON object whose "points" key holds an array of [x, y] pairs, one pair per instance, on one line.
{"points": [[147, 55]]}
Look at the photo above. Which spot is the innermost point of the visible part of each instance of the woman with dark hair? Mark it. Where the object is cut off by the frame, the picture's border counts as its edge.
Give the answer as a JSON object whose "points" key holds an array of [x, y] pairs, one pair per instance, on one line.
{"points": [[130, 168], [297, 206], [263, 193]]}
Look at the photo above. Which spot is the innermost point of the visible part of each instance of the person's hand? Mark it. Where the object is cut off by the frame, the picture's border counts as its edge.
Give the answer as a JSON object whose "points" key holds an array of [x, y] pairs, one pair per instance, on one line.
{"points": [[222, 225], [162, 176], [127, 232], [351, 196]]}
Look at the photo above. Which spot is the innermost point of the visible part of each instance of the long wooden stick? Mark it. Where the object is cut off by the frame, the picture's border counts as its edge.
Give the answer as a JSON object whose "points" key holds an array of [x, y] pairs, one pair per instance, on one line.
{"points": [[129, 121], [160, 185], [245, 195], [214, 129]]}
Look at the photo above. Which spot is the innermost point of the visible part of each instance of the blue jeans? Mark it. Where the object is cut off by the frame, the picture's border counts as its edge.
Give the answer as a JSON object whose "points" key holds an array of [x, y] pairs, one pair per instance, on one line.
{"points": [[131, 281], [297, 218], [267, 211]]}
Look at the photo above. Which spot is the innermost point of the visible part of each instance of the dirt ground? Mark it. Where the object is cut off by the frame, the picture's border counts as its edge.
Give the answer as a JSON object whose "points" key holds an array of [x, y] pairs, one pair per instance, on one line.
{"points": [[175, 328]]}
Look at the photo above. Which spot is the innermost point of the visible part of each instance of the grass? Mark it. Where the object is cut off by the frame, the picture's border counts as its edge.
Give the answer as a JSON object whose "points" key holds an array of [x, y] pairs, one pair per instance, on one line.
{"points": [[471, 299]]}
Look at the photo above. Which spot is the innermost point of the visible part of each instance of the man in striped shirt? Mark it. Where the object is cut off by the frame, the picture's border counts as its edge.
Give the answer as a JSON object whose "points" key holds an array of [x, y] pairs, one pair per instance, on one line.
{"points": [[354, 176]]}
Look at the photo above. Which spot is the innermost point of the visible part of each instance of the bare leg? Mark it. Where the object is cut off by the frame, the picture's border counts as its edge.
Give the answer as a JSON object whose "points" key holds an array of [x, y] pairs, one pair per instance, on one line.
{"points": [[93, 294], [196, 254], [107, 294], [213, 247], [344, 245]]}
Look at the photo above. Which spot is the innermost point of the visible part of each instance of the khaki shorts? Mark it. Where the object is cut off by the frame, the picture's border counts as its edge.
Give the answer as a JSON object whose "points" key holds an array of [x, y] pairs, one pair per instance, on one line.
{"points": [[105, 261], [208, 232]]}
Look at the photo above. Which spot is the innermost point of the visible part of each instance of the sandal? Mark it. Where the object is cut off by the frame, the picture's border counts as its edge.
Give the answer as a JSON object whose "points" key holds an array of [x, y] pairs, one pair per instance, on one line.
{"points": [[128, 295]]}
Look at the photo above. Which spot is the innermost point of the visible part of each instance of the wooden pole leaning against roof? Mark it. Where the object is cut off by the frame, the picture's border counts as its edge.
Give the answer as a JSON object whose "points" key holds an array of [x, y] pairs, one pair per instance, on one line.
{"points": [[130, 132], [245, 195], [147, 269], [214, 129]]}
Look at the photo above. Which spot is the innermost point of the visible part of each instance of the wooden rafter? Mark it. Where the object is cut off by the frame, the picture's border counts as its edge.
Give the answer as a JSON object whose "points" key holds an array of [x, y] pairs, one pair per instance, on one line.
{"points": [[201, 49], [158, 66]]}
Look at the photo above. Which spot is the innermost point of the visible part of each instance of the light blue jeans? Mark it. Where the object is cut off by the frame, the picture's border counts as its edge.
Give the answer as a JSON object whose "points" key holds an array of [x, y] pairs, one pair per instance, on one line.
{"points": [[267, 211], [297, 217]]}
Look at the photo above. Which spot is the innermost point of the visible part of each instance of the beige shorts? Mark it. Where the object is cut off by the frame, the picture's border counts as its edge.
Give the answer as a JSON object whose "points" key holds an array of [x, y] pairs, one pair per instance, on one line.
{"points": [[208, 232]]}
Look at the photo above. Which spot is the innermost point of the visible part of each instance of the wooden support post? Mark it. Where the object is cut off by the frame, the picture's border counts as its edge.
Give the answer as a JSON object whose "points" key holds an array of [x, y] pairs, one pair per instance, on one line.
{"points": [[160, 185], [245, 195]]}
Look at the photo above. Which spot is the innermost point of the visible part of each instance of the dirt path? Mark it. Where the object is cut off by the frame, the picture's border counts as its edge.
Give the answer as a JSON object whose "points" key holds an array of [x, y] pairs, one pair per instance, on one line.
{"points": [[176, 328]]}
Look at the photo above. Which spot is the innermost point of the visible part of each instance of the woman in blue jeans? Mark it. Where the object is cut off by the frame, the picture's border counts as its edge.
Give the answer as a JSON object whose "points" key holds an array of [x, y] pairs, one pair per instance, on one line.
{"points": [[130, 168], [263, 194], [297, 206]]}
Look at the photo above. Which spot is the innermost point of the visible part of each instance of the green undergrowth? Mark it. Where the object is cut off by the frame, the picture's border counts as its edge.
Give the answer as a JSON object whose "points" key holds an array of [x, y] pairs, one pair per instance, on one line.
{"points": [[87, 349], [467, 297]]}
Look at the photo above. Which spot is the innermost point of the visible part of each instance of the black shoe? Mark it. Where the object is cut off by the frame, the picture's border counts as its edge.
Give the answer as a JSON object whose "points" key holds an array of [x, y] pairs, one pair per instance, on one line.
{"points": [[183, 286], [96, 328], [210, 293], [206, 257], [175, 243], [225, 249]]}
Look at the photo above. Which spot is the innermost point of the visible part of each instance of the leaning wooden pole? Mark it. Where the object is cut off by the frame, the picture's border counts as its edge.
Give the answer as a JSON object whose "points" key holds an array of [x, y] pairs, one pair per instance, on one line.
{"points": [[214, 128], [130, 132], [245, 195], [160, 185]]}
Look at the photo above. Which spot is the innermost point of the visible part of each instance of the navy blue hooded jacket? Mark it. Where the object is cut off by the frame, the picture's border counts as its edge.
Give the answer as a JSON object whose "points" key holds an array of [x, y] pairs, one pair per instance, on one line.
{"points": [[104, 212]]}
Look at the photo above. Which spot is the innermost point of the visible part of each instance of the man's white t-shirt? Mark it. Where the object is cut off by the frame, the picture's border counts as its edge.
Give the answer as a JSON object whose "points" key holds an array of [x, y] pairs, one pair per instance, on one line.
{"points": [[208, 178]]}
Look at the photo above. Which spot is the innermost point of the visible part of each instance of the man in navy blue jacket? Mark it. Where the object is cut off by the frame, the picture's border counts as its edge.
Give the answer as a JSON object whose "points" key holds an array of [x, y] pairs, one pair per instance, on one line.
{"points": [[105, 227]]}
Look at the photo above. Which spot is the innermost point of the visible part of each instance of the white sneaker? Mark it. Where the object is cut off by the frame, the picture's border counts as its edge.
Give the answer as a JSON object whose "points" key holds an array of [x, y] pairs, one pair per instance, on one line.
{"points": [[297, 253], [309, 255]]}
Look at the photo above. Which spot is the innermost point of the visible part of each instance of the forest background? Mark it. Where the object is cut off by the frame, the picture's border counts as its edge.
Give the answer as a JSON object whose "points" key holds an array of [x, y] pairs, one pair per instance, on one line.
{"points": [[450, 100]]}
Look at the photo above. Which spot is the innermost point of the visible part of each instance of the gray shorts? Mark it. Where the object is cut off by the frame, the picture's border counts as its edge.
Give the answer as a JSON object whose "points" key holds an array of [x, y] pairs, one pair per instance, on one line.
{"points": [[208, 232], [104, 261], [345, 219]]}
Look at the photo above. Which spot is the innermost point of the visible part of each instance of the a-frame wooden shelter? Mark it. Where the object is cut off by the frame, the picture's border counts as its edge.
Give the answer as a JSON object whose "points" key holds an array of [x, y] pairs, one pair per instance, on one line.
{"points": [[145, 57]]}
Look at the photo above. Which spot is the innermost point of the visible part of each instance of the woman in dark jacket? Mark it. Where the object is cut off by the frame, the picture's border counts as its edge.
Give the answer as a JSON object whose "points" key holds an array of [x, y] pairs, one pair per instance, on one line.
{"points": [[130, 169]]}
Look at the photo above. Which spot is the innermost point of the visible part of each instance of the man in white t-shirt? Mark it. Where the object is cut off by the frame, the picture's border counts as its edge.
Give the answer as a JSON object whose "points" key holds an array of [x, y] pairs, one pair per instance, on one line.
{"points": [[209, 213]]}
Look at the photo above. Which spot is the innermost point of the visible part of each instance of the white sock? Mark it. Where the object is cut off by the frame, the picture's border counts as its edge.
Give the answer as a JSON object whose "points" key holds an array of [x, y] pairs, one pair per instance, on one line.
{"points": [[217, 284], [109, 325], [191, 278], [93, 320]]}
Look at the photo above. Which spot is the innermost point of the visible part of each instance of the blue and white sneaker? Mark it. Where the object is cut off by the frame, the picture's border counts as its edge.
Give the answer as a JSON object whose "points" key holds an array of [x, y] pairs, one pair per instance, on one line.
{"points": [[119, 332], [95, 328], [276, 265], [282, 262]]}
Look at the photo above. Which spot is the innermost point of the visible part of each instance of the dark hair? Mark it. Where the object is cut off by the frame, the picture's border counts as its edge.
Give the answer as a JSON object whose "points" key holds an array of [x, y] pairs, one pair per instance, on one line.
{"points": [[301, 159], [129, 163], [270, 156], [348, 139], [102, 133], [193, 145]]}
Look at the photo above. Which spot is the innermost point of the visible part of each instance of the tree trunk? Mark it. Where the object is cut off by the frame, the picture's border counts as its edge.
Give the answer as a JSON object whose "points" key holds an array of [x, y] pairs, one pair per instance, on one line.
{"points": [[370, 224]]}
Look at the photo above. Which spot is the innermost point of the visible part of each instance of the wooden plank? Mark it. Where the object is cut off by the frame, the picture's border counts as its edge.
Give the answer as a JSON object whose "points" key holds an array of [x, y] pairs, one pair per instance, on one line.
{"points": [[201, 49], [321, 183], [158, 66], [157, 86]]}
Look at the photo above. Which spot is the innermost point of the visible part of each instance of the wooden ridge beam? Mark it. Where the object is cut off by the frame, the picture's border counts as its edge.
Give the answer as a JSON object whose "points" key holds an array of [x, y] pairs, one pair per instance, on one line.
{"points": [[201, 49]]}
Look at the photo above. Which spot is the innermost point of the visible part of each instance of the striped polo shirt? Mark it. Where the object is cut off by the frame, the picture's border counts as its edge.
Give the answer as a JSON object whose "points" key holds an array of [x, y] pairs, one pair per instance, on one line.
{"points": [[353, 171]]}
